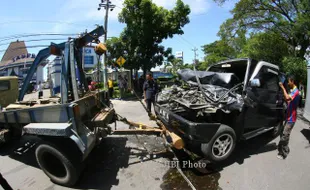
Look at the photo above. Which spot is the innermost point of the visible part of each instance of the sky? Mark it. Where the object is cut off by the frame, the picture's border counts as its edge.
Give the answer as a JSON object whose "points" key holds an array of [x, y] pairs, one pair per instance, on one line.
{"points": [[75, 16]]}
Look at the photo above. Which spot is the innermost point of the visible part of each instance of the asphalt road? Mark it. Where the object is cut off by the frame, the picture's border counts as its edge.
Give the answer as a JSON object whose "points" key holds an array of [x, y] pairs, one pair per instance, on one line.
{"points": [[116, 164]]}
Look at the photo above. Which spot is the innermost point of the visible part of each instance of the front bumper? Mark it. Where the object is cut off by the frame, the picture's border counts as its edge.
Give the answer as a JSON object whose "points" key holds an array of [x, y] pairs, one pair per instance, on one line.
{"points": [[188, 130]]}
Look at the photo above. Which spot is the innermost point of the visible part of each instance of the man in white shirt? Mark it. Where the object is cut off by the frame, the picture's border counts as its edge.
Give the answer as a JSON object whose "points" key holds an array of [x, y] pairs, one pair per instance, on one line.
{"points": [[39, 89]]}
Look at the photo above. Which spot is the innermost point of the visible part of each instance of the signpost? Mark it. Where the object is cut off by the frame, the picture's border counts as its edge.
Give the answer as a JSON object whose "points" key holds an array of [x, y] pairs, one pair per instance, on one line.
{"points": [[120, 61]]}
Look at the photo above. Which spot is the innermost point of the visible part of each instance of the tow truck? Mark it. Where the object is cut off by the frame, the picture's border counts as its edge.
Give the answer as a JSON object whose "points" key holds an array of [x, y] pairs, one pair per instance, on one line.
{"points": [[68, 126]]}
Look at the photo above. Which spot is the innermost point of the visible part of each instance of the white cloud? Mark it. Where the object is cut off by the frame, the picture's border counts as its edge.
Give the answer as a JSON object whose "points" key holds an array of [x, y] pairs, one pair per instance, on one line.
{"points": [[197, 6], [83, 11]]}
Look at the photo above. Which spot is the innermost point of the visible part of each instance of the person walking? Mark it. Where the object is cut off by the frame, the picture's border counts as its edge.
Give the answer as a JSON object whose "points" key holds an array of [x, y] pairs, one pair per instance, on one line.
{"points": [[39, 89], [110, 86], [150, 89], [292, 99]]}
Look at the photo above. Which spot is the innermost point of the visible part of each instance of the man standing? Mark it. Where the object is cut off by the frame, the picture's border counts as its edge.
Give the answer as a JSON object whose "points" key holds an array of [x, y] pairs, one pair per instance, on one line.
{"points": [[110, 85], [39, 89], [293, 100], [150, 89]]}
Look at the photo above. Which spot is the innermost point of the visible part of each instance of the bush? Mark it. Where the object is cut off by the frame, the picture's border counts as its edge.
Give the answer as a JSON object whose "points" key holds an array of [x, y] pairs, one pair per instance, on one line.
{"points": [[100, 85]]}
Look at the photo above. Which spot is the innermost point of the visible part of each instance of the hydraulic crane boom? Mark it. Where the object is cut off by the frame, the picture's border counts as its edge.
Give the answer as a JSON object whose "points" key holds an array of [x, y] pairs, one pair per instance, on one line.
{"points": [[73, 49]]}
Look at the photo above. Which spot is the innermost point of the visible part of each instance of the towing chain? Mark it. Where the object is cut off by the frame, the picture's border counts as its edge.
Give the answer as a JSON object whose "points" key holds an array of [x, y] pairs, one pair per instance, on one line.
{"points": [[160, 124]]}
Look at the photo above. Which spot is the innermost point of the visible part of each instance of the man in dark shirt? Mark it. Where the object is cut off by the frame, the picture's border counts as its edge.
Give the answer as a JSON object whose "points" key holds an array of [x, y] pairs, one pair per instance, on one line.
{"points": [[150, 89]]}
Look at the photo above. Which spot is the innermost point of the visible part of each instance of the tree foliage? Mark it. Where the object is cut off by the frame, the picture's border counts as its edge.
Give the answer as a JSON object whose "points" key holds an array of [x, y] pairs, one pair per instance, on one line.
{"points": [[265, 46], [147, 25], [296, 66], [288, 19]]}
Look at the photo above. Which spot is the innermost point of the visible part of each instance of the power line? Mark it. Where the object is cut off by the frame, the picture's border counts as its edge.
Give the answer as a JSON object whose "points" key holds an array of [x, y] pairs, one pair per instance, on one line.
{"points": [[35, 41], [36, 46], [29, 35], [42, 21], [186, 41]]}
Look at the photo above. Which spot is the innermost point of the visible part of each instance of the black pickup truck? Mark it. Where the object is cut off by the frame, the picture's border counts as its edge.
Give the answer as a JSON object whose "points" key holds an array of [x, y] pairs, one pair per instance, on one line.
{"points": [[233, 100]]}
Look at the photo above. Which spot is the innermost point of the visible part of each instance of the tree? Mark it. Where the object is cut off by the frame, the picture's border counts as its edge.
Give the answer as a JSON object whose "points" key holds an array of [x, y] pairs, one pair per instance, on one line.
{"points": [[175, 64], [116, 48], [265, 46], [147, 25], [296, 66], [225, 48], [288, 19]]}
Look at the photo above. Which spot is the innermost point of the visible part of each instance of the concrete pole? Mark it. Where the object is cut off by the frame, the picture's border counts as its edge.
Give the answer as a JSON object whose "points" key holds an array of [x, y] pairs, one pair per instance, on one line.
{"points": [[104, 41]]}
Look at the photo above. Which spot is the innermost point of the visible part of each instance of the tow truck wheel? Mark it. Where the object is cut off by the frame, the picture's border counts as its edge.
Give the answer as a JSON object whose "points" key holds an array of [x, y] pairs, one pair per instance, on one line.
{"points": [[56, 165], [221, 145]]}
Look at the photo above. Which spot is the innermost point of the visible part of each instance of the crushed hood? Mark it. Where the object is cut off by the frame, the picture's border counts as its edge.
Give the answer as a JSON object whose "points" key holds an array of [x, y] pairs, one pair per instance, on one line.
{"points": [[226, 80]]}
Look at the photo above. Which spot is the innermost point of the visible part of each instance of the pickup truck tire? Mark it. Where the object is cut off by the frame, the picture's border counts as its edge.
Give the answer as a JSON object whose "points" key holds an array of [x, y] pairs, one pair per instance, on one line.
{"points": [[221, 145], [56, 165]]}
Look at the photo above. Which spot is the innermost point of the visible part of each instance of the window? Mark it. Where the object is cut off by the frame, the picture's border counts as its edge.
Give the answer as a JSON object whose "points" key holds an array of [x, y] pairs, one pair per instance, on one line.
{"points": [[4, 85], [269, 78], [88, 60]]}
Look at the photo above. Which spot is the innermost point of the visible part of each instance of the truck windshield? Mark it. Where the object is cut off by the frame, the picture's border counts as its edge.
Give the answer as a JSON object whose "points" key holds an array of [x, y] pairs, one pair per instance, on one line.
{"points": [[236, 67]]}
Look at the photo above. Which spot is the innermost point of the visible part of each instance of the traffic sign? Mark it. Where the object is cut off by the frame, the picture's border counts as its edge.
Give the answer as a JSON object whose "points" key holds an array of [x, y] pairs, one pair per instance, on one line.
{"points": [[120, 61]]}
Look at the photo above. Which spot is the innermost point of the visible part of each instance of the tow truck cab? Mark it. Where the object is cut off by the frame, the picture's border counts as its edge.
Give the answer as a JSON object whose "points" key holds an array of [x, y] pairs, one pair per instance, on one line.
{"points": [[214, 130]]}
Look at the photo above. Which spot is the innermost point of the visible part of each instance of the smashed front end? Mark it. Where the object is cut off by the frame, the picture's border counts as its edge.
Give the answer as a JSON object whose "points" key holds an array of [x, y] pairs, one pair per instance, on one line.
{"points": [[218, 92], [195, 110]]}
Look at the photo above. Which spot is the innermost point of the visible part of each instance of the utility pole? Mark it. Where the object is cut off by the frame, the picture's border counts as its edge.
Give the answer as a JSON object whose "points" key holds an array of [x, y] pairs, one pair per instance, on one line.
{"points": [[195, 54], [107, 5]]}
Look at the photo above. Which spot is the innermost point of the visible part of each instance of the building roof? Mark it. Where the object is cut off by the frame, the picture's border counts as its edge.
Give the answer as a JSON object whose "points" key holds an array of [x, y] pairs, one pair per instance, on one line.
{"points": [[15, 49]]}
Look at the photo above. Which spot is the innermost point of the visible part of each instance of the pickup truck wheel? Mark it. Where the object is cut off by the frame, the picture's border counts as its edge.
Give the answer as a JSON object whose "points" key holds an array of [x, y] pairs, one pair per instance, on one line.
{"points": [[56, 165], [221, 145]]}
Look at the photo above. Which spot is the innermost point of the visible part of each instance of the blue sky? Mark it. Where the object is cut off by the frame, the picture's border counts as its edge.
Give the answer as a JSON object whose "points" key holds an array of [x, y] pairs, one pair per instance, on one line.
{"points": [[74, 16]]}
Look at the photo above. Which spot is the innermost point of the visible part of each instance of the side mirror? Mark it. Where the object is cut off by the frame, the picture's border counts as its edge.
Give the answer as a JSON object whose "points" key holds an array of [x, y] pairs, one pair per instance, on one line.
{"points": [[255, 83]]}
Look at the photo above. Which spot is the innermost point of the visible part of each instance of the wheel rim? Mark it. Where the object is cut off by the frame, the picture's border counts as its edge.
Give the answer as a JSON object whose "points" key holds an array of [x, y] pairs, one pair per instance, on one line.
{"points": [[222, 145]]}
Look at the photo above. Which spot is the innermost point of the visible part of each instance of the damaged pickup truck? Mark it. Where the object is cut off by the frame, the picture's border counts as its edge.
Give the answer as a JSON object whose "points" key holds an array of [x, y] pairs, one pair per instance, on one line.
{"points": [[233, 100]]}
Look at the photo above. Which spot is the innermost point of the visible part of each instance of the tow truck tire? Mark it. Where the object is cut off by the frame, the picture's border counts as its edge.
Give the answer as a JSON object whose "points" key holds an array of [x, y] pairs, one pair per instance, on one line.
{"points": [[221, 145], [56, 165]]}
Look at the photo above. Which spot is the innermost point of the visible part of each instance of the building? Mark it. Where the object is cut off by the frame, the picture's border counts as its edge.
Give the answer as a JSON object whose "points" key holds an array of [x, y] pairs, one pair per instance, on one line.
{"points": [[16, 61]]}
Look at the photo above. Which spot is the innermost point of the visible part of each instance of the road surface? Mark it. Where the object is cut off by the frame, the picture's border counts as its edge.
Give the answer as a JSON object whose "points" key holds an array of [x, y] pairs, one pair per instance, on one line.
{"points": [[116, 164]]}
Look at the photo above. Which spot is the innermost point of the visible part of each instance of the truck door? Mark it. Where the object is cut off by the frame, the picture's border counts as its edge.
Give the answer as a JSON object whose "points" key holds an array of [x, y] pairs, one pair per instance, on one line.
{"points": [[266, 109]]}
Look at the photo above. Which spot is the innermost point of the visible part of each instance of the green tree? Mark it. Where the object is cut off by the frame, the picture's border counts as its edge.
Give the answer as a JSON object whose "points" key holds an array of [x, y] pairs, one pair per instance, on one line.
{"points": [[296, 66], [288, 19], [147, 25], [265, 46], [175, 65]]}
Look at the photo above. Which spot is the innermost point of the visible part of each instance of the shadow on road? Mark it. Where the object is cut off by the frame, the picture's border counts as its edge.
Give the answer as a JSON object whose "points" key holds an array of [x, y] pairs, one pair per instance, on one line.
{"points": [[245, 149], [104, 163], [306, 133]]}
